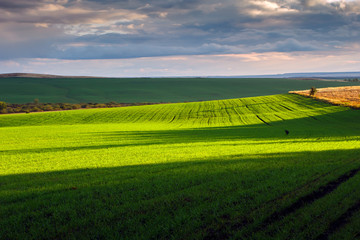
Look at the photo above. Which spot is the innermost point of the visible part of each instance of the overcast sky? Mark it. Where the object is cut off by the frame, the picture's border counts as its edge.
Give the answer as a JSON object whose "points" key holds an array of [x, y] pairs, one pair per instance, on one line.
{"points": [[178, 38]]}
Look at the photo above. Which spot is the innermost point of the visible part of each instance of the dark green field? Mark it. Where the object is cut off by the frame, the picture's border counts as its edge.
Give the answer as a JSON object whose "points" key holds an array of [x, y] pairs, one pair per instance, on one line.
{"points": [[130, 90]]}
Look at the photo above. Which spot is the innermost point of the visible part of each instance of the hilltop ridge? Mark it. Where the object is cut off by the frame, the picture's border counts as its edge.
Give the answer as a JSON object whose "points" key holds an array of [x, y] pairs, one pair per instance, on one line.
{"points": [[316, 75], [36, 75]]}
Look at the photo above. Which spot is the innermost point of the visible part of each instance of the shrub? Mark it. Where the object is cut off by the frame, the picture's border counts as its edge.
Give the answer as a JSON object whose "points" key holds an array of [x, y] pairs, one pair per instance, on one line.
{"points": [[48, 107], [100, 105], [313, 91], [76, 106], [3, 105], [36, 109]]}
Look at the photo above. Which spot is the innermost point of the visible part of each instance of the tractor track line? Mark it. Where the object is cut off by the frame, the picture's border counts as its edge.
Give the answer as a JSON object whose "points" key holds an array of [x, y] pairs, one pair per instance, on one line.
{"points": [[263, 120], [339, 222], [307, 199]]}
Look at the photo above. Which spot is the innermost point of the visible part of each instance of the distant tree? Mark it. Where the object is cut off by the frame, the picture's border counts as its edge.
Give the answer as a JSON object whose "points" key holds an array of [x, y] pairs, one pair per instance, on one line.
{"points": [[313, 90], [65, 106], [36, 109], [100, 105], [76, 106], [3, 105], [36, 101], [48, 107]]}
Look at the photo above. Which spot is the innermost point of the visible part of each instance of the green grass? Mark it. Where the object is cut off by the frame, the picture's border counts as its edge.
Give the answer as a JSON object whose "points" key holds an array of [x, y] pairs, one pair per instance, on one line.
{"points": [[23, 90], [202, 170]]}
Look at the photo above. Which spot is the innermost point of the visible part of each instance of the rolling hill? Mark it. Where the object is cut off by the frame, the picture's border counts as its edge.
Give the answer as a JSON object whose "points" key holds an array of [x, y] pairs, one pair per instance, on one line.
{"points": [[133, 90], [280, 166]]}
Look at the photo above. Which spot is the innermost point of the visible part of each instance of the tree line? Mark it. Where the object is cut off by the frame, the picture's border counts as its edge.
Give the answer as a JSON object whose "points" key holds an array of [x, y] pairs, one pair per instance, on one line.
{"points": [[36, 106], [351, 80]]}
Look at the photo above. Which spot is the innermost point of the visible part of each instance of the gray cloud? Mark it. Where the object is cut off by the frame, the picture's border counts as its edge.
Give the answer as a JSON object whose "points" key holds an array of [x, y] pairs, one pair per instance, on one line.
{"points": [[94, 29], [288, 45]]}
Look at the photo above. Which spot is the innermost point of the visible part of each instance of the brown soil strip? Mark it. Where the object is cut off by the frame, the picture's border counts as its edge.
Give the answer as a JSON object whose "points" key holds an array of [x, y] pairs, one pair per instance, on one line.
{"points": [[341, 221]]}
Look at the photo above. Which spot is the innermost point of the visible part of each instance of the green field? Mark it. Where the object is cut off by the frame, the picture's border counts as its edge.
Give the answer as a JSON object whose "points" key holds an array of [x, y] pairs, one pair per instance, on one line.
{"points": [[220, 169], [131, 90]]}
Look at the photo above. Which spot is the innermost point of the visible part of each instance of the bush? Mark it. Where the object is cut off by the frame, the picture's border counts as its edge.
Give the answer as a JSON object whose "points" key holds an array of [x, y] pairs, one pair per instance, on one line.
{"points": [[36, 109], [313, 91], [100, 105], [3, 105], [48, 107], [76, 106]]}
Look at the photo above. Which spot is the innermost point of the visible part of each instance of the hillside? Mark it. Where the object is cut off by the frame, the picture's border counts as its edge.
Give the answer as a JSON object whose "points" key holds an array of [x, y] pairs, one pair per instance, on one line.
{"points": [[345, 96], [36, 75], [315, 75], [231, 112], [283, 166], [132, 90]]}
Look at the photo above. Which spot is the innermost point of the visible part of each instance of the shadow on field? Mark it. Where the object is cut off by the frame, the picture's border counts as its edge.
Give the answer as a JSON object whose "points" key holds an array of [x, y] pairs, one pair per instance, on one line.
{"points": [[214, 198]]}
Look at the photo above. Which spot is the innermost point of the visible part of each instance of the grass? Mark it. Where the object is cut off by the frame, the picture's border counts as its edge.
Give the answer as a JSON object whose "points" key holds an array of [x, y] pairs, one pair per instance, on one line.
{"points": [[203, 170], [130, 90]]}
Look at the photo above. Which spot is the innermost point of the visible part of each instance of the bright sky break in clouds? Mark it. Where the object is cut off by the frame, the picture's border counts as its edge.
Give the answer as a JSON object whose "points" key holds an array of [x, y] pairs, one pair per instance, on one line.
{"points": [[178, 38]]}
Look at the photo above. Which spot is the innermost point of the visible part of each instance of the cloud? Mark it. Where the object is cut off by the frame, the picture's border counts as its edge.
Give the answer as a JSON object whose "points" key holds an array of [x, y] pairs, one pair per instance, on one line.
{"points": [[94, 29], [287, 45], [312, 3], [199, 65]]}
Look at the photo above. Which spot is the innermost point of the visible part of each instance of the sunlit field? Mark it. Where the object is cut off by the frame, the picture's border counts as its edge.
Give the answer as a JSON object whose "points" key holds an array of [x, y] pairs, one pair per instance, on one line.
{"points": [[279, 166]]}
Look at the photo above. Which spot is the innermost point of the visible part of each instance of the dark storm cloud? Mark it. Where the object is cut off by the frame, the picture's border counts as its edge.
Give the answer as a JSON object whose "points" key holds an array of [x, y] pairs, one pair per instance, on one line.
{"points": [[93, 29], [19, 4]]}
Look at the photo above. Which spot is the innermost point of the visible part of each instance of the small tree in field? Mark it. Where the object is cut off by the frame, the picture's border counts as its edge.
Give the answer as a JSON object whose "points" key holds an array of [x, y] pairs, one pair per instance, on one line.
{"points": [[313, 90], [3, 105]]}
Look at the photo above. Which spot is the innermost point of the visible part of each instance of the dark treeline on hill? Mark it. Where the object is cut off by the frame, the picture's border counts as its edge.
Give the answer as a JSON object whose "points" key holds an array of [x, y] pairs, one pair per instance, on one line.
{"points": [[352, 79], [36, 106]]}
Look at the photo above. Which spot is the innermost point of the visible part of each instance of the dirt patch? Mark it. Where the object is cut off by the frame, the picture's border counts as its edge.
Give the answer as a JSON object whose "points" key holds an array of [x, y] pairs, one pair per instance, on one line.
{"points": [[344, 96]]}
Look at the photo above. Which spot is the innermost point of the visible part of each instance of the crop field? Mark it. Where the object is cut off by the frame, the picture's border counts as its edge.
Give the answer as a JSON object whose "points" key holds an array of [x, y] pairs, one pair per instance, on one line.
{"points": [[132, 90], [344, 96], [270, 167]]}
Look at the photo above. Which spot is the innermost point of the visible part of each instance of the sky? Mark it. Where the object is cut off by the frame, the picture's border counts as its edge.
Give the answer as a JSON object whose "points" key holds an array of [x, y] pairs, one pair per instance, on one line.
{"points": [[133, 38]]}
